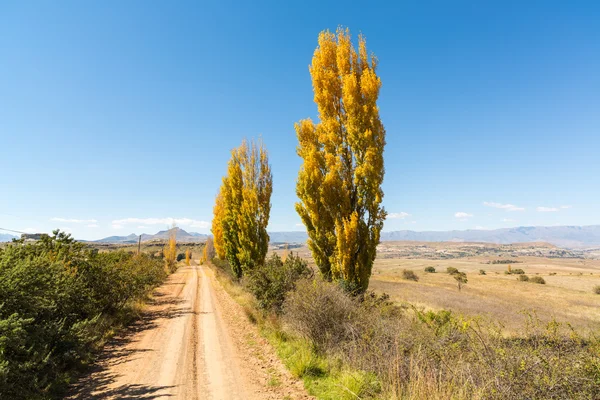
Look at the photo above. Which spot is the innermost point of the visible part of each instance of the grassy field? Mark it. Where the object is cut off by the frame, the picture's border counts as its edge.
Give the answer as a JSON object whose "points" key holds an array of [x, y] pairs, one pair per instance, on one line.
{"points": [[566, 296]]}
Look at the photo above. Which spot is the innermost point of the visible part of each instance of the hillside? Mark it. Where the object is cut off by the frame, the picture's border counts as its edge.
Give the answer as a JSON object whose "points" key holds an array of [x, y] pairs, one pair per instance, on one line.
{"points": [[563, 236], [182, 236], [5, 237]]}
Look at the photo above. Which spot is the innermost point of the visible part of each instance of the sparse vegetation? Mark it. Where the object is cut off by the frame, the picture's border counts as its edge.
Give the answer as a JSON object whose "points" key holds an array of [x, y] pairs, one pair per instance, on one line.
{"points": [[523, 278], [470, 360], [596, 289], [409, 275], [482, 272], [430, 270], [537, 279]]}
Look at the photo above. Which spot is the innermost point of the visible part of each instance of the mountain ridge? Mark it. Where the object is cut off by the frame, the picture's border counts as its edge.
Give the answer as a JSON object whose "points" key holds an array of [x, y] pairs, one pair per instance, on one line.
{"points": [[571, 236], [5, 237]]}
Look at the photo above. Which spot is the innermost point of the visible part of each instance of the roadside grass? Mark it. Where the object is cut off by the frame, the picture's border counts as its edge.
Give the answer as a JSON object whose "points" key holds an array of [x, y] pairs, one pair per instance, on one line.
{"points": [[323, 376], [345, 348]]}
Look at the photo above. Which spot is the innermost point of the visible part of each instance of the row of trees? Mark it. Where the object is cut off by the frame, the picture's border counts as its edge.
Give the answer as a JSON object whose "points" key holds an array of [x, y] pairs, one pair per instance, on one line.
{"points": [[339, 183]]}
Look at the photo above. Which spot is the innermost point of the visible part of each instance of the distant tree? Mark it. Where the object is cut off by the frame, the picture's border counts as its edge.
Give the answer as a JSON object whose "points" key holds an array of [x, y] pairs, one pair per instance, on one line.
{"points": [[410, 275], [170, 250], [431, 270], [339, 183], [461, 279], [451, 270], [537, 279]]}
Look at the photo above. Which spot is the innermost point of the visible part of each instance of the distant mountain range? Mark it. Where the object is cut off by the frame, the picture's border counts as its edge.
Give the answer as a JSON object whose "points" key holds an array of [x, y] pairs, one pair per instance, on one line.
{"points": [[182, 236], [5, 237], [562, 236]]}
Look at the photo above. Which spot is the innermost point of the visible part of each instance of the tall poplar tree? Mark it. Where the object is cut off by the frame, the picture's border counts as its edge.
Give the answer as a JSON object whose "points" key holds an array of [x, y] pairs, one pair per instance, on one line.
{"points": [[242, 216], [339, 183]]}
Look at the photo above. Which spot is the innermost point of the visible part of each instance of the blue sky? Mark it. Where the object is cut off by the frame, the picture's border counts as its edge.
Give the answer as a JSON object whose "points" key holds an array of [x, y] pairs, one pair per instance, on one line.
{"points": [[116, 116]]}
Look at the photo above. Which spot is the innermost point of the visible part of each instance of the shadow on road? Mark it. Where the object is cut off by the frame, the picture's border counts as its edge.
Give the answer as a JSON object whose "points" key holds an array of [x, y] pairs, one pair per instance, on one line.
{"points": [[97, 381]]}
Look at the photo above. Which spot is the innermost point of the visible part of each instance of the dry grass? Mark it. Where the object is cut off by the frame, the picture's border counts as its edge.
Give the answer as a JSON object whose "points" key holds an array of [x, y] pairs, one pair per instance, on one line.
{"points": [[567, 295]]}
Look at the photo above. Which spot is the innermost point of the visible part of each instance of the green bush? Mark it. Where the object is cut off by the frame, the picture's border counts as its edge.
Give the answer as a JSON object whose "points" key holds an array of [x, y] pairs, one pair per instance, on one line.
{"points": [[451, 270], [180, 256], [409, 275], [431, 270], [596, 289], [537, 279], [57, 299], [482, 272], [271, 282], [517, 271], [523, 278]]}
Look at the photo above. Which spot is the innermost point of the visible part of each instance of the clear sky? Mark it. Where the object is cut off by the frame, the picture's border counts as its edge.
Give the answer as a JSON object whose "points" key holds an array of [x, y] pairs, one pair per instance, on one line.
{"points": [[116, 116]]}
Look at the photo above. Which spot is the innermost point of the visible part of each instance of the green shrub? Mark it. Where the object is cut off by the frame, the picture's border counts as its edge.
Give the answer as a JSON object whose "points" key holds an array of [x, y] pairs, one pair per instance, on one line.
{"points": [[57, 299], [523, 278], [451, 270], [409, 275], [517, 271], [537, 279], [270, 283], [596, 289], [430, 270], [482, 272], [180, 256]]}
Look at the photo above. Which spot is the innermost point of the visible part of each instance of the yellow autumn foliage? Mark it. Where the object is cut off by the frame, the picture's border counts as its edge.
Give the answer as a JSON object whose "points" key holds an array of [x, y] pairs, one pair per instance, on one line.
{"points": [[242, 217], [170, 251], [339, 183], [217, 226]]}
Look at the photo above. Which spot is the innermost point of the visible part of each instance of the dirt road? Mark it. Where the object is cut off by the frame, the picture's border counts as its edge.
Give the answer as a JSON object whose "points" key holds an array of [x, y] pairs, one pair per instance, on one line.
{"points": [[185, 348]]}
